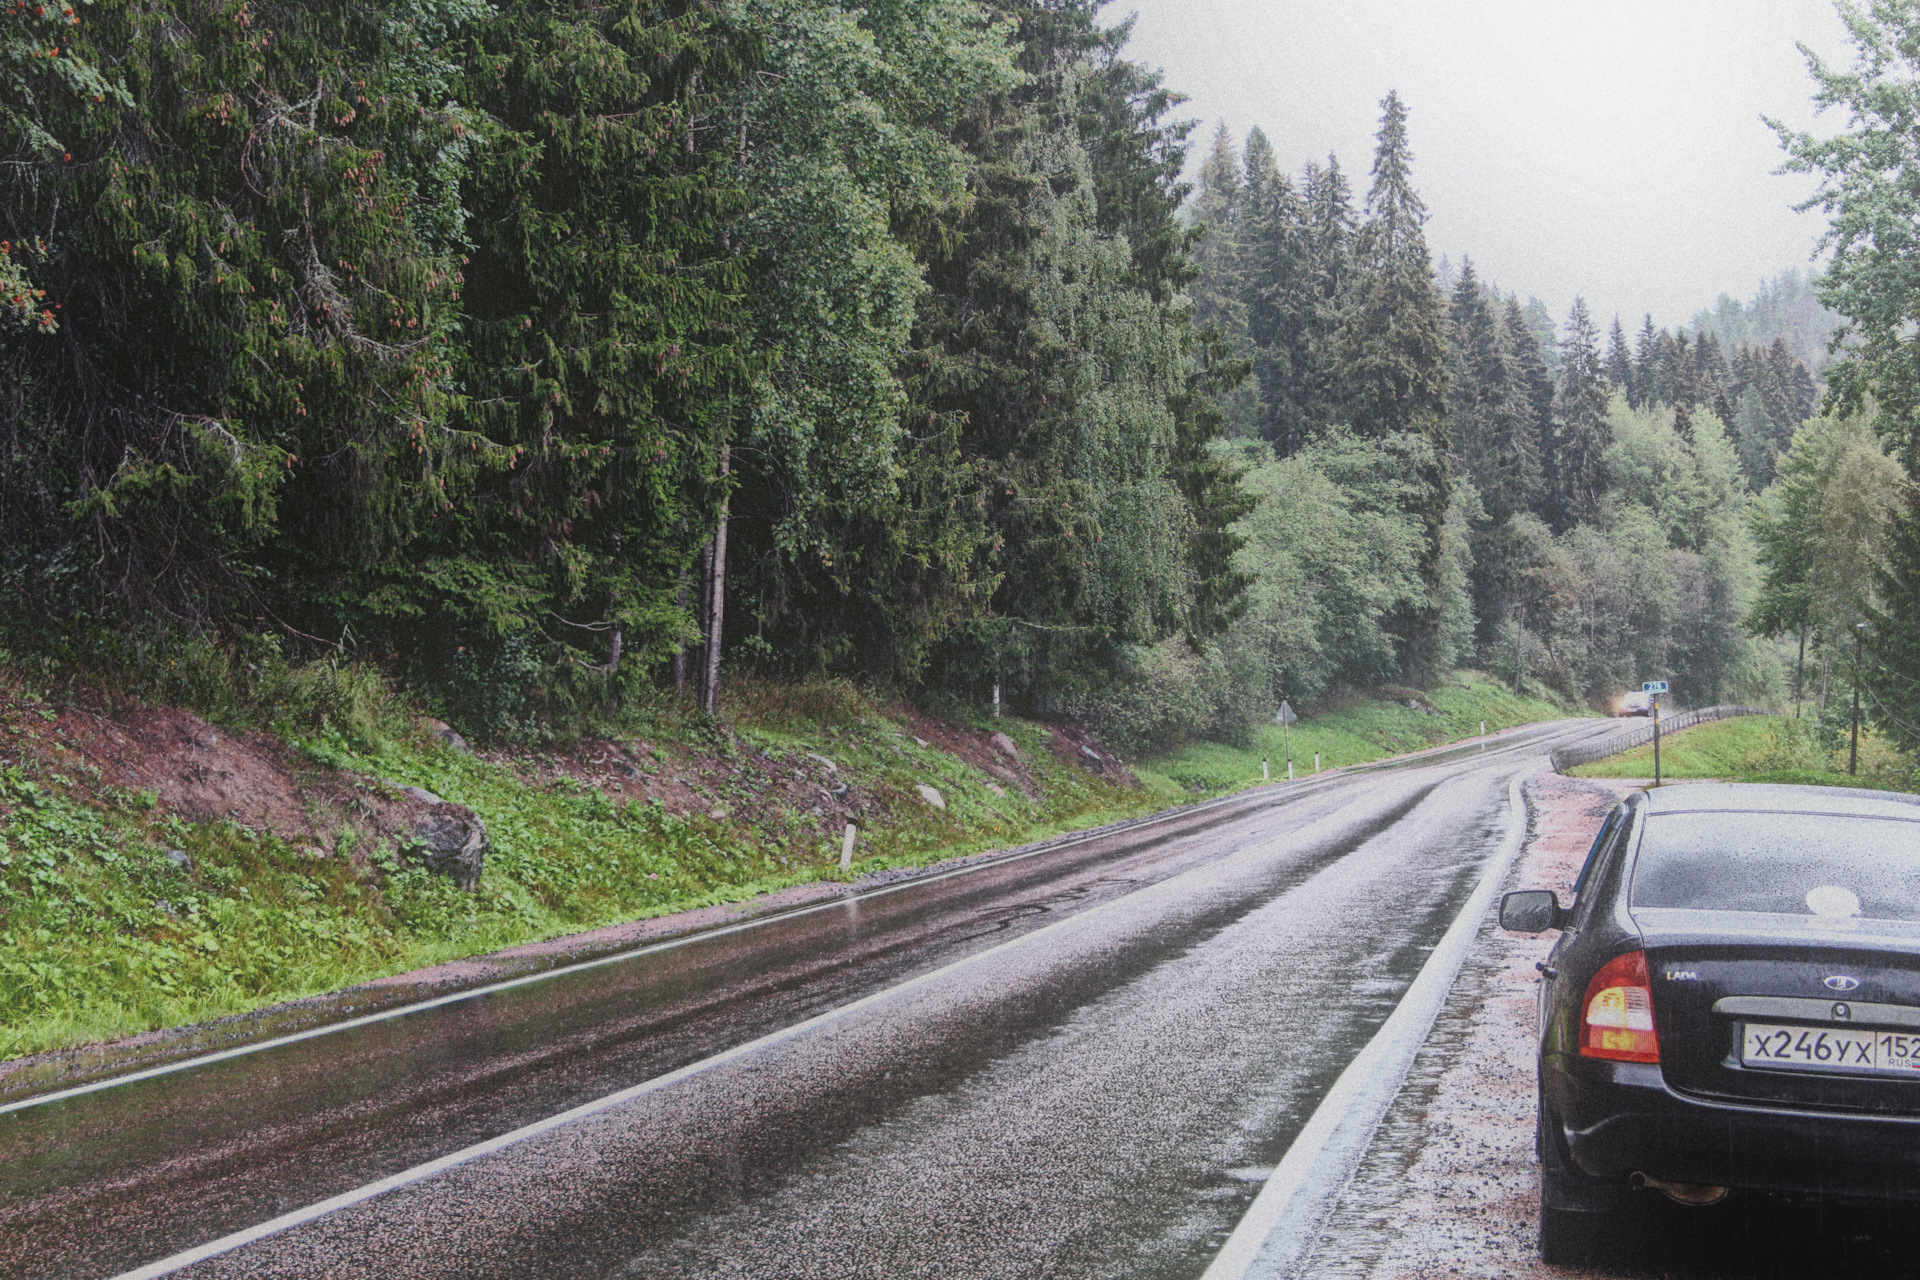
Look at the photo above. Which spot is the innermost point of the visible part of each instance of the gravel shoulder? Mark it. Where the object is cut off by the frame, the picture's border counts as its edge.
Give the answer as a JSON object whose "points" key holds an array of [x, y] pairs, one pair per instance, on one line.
{"points": [[1450, 1185]]}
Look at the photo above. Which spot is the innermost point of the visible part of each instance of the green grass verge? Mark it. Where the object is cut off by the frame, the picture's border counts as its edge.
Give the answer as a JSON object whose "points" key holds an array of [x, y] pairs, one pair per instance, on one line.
{"points": [[1719, 749], [104, 934], [1760, 749], [1361, 731]]}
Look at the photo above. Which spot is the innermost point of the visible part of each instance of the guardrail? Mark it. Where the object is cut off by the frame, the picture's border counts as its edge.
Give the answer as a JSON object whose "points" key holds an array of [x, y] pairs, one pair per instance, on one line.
{"points": [[1573, 757]]}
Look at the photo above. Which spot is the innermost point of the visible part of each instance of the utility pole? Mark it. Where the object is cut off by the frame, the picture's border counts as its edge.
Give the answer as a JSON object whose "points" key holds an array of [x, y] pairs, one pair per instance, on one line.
{"points": [[1853, 745]]}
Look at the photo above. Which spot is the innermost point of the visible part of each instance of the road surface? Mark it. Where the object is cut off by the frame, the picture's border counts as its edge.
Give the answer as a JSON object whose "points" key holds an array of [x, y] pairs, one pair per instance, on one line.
{"points": [[1083, 1062]]}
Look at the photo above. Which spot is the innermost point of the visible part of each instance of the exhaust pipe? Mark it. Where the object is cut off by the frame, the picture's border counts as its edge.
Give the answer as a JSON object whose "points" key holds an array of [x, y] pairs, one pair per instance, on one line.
{"points": [[1696, 1194]]}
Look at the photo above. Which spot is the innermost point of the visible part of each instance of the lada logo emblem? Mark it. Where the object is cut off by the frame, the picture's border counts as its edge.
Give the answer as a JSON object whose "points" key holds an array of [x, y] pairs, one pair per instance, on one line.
{"points": [[1841, 982]]}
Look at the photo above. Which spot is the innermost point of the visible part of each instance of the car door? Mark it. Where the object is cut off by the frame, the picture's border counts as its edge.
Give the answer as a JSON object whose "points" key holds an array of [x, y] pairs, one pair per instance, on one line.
{"points": [[1614, 836]]}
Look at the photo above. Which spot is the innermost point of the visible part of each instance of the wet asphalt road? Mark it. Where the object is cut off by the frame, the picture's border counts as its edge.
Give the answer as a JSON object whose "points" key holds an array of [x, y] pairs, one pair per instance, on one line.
{"points": [[1103, 1050]]}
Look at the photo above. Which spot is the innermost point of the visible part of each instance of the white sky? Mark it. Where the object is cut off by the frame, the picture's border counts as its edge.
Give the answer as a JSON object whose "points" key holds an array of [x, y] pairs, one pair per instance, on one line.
{"points": [[1609, 149]]}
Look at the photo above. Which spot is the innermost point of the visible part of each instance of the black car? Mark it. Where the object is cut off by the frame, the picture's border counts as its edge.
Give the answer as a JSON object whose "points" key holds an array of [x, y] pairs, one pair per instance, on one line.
{"points": [[1733, 1006]]}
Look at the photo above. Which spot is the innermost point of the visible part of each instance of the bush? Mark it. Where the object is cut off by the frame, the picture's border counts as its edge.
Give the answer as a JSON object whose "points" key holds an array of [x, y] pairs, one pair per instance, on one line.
{"points": [[1167, 695]]}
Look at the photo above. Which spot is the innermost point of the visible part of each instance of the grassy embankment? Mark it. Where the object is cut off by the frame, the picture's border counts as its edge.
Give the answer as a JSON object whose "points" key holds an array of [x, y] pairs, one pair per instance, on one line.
{"points": [[104, 934], [107, 930], [1760, 749], [1354, 733]]}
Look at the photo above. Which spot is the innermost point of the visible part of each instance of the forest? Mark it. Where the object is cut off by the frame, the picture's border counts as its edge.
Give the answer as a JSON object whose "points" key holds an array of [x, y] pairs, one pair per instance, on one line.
{"points": [[551, 358]]}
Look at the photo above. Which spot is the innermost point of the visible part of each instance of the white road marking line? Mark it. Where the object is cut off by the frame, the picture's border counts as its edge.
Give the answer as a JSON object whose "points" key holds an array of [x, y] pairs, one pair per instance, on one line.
{"points": [[346, 1199], [1280, 1224], [400, 1011]]}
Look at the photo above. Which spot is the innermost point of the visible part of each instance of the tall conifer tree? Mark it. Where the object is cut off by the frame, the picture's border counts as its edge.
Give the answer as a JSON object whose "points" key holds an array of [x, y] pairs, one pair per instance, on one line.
{"points": [[1392, 358], [1581, 430], [1219, 295], [1619, 360], [1646, 360], [1533, 405]]}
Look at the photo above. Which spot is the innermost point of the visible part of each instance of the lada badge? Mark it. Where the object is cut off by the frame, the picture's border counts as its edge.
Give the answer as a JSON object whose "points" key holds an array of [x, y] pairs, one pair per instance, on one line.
{"points": [[1841, 982]]}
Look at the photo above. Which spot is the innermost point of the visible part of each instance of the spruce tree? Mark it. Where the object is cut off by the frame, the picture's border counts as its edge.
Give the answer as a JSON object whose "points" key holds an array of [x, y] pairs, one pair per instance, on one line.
{"points": [[1712, 380], [1391, 359], [1479, 384], [1581, 429], [1219, 295], [1619, 361], [1546, 333], [1532, 398], [1282, 301], [1327, 253], [248, 229], [1646, 364]]}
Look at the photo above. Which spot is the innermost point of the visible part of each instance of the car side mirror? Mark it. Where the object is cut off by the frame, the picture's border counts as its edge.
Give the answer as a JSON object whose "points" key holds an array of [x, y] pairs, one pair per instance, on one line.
{"points": [[1531, 911]]}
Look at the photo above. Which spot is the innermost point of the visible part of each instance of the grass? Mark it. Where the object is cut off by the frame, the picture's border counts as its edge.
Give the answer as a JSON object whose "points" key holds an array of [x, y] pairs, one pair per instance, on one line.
{"points": [[1360, 731], [106, 929], [116, 918], [1761, 749]]}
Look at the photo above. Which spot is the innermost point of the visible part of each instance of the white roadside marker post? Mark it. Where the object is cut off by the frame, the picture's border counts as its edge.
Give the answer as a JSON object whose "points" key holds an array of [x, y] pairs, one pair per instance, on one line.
{"points": [[1264, 775], [1316, 762], [846, 848]]}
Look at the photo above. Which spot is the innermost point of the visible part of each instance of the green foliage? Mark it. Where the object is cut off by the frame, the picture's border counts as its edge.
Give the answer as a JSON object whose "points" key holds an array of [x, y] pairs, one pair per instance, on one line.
{"points": [[1761, 749], [1052, 347], [1336, 559], [1821, 528], [1866, 177], [270, 192], [1353, 730], [600, 344], [845, 135], [1390, 364], [1576, 459]]}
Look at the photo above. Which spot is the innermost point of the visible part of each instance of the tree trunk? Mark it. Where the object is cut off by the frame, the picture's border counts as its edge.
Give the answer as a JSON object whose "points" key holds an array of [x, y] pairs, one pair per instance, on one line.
{"points": [[1823, 686], [680, 654], [615, 642], [1799, 672], [703, 611], [716, 596]]}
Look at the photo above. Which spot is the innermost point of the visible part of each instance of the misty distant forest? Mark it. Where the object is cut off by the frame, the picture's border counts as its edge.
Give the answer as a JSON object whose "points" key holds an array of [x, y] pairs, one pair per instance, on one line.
{"points": [[554, 357]]}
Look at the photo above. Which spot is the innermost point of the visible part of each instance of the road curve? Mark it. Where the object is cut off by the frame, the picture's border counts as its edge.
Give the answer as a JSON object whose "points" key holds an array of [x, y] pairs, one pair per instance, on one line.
{"points": [[1076, 1063]]}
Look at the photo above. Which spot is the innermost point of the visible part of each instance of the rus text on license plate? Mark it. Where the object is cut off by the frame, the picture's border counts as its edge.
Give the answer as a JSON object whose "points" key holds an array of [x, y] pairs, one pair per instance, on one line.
{"points": [[1830, 1049]]}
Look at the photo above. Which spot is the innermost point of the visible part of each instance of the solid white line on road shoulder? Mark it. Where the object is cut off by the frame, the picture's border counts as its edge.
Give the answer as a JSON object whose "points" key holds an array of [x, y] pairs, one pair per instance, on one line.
{"points": [[1279, 1226], [228, 1243]]}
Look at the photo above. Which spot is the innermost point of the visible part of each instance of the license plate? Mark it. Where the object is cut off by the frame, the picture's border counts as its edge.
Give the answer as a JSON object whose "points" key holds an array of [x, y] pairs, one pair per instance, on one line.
{"points": [[1830, 1049]]}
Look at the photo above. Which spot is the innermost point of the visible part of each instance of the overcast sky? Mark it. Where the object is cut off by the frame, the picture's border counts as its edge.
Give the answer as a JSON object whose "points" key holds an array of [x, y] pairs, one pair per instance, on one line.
{"points": [[1613, 150]]}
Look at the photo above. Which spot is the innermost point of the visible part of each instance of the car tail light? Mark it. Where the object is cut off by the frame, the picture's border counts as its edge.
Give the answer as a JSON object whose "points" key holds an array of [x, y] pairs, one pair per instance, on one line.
{"points": [[1616, 1018]]}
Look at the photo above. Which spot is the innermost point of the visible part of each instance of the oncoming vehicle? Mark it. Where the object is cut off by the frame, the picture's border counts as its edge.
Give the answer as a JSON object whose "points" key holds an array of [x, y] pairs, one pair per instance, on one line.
{"points": [[1634, 704], [1733, 1007]]}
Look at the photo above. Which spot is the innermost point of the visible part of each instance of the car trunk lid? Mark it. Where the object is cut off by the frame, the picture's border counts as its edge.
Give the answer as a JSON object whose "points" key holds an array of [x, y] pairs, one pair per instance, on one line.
{"points": [[1787, 1010]]}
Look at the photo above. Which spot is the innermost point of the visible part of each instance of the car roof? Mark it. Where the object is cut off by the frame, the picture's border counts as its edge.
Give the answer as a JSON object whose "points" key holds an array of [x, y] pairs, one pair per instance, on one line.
{"points": [[1749, 797]]}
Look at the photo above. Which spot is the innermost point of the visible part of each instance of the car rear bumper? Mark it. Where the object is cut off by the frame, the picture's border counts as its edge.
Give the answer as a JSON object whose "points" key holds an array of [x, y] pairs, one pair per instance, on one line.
{"points": [[1619, 1118]]}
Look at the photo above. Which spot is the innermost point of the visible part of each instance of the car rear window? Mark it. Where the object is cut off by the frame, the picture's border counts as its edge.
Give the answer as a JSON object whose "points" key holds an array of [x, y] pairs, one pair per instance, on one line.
{"points": [[1820, 865]]}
